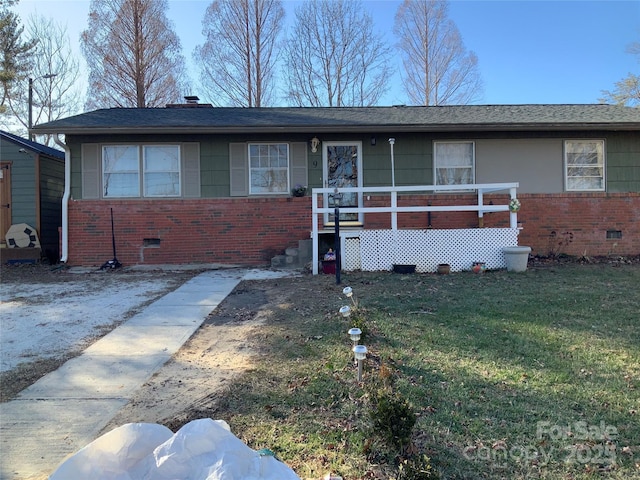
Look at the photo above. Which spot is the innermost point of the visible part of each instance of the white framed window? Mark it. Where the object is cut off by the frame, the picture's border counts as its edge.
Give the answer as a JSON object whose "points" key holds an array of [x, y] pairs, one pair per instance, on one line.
{"points": [[161, 170], [120, 171], [453, 163], [584, 165], [268, 168], [128, 170]]}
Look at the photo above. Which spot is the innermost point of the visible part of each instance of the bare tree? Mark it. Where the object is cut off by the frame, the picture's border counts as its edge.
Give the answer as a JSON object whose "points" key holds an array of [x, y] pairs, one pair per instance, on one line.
{"points": [[627, 90], [438, 70], [238, 59], [54, 74], [333, 56], [133, 54]]}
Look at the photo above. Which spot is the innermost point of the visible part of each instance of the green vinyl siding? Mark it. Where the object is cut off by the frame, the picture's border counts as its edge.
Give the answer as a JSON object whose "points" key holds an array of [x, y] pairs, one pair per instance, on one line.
{"points": [[214, 169], [51, 191], [413, 156], [412, 159], [76, 171], [23, 187], [623, 162]]}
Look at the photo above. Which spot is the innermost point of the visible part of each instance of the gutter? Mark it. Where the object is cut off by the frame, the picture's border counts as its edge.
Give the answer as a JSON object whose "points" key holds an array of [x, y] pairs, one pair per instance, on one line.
{"points": [[65, 198]]}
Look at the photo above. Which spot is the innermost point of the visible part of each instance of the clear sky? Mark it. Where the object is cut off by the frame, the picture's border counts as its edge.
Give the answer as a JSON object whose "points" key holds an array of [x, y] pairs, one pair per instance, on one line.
{"points": [[536, 51]]}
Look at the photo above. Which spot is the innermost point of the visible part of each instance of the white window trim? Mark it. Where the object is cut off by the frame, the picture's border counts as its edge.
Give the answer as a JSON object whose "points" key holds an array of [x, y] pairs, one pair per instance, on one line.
{"points": [[473, 160], [288, 189], [141, 172], [103, 170], [144, 172], [566, 166]]}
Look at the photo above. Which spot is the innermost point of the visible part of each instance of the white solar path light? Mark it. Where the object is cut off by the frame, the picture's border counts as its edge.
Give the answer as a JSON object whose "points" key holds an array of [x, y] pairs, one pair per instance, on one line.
{"points": [[354, 334], [360, 352]]}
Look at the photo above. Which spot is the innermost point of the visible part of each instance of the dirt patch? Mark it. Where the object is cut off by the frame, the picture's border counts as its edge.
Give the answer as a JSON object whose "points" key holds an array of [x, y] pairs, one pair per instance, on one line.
{"points": [[32, 364]]}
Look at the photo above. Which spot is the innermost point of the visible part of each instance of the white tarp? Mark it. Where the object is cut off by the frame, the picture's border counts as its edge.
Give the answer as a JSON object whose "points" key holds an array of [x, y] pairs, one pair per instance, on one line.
{"points": [[201, 450]]}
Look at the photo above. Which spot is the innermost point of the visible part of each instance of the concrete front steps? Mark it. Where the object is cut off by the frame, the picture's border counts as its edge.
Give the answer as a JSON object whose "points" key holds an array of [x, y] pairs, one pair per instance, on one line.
{"points": [[294, 257]]}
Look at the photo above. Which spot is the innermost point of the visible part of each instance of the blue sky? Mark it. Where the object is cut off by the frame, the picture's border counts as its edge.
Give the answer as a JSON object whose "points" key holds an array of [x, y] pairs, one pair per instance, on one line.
{"points": [[536, 51]]}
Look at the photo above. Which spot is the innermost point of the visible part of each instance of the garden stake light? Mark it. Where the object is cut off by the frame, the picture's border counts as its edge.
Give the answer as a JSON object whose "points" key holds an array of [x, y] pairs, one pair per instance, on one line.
{"points": [[360, 352], [348, 292], [354, 334]]}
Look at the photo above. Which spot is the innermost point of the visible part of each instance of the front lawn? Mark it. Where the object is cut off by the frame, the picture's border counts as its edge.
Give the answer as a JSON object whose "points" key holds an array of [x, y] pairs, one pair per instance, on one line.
{"points": [[527, 375]]}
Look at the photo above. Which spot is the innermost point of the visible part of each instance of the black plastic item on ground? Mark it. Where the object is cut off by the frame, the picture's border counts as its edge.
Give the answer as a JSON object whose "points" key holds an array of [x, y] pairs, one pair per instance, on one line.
{"points": [[114, 263], [404, 268]]}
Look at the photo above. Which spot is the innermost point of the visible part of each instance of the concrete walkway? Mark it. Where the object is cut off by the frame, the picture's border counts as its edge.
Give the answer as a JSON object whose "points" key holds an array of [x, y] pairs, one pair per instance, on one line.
{"points": [[66, 409]]}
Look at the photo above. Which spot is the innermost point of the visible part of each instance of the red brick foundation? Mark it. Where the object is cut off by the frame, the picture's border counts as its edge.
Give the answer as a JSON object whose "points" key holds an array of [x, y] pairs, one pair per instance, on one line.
{"points": [[249, 231], [578, 223]]}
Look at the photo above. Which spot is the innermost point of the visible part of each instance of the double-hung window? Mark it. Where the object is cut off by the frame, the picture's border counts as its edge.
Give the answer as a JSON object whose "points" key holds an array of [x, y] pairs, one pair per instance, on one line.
{"points": [[584, 165], [128, 170], [454, 163], [121, 171], [161, 170], [268, 168]]}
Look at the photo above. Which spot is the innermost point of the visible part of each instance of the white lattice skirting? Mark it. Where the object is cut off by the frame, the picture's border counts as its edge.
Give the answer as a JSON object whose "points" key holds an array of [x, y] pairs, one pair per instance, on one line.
{"points": [[375, 250]]}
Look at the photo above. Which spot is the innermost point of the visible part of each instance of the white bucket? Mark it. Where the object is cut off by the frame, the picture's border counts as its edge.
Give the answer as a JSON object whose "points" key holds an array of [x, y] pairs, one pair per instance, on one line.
{"points": [[516, 258]]}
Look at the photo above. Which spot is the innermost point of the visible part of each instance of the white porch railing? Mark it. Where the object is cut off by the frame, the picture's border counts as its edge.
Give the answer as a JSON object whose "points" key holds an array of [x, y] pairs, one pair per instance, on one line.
{"points": [[394, 209]]}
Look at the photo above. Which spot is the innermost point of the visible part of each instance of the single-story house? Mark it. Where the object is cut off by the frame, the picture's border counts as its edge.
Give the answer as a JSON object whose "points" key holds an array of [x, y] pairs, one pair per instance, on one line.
{"points": [[31, 187], [193, 183]]}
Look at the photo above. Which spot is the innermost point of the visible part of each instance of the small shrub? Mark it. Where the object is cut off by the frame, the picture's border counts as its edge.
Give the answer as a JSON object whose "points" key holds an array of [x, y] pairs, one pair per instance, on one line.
{"points": [[393, 419], [558, 241], [358, 320]]}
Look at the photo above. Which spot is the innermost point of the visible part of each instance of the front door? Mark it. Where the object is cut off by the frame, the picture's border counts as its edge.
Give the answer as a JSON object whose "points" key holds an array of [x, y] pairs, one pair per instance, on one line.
{"points": [[342, 168], [5, 200]]}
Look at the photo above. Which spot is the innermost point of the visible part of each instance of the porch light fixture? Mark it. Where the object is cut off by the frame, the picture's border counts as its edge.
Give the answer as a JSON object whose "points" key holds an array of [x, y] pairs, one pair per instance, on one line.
{"points": [[373, 141], [315, 142], [345, 311], [360, 352]]}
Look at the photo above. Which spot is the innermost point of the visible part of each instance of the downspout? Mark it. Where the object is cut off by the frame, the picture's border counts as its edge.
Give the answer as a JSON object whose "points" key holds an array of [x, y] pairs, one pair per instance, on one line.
{"points": [[65, 199]]}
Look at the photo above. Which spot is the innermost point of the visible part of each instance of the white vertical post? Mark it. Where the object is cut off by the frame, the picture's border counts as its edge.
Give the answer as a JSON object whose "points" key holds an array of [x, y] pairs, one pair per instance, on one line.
{"points": [[480, 203], [394, 201], [513, 216], [314, 232], [394, 213]]}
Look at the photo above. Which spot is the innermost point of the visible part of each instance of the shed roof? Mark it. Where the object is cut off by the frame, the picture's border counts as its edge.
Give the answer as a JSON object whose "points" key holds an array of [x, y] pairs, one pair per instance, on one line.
{"points": [[206, 119], [33, 146]]}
